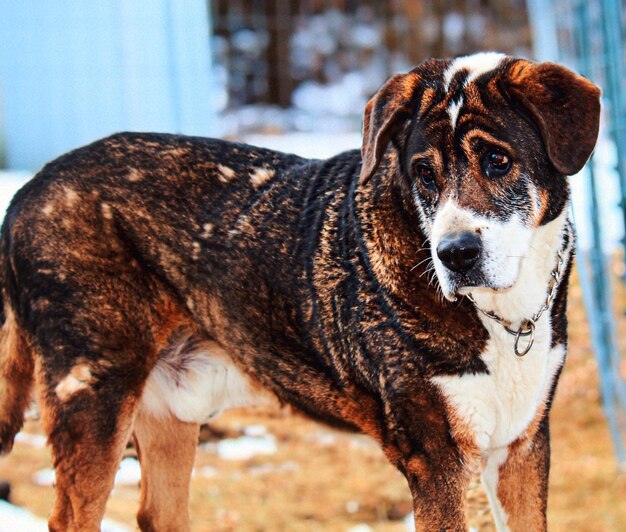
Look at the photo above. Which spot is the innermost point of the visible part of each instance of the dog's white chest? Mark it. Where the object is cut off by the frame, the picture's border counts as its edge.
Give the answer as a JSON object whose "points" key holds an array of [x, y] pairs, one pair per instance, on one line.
{"points": [[497, 407]]}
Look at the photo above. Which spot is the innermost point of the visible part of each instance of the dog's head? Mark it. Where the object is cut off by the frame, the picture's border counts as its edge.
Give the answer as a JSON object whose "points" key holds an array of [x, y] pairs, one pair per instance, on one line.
{"points": [[484, 143]]}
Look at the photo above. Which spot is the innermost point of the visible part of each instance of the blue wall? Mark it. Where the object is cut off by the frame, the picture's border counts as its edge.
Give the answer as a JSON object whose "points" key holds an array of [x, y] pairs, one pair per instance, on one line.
{"points": [[72, 71]]}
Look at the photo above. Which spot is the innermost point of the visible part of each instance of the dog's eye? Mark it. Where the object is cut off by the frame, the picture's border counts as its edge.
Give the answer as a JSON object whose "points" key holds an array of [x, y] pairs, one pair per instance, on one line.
{"points": [[426, 175], [496, 163]]}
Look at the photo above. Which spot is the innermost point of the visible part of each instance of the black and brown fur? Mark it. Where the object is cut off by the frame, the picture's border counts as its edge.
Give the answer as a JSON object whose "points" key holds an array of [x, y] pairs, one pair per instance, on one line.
{"points": [[302, 270]]}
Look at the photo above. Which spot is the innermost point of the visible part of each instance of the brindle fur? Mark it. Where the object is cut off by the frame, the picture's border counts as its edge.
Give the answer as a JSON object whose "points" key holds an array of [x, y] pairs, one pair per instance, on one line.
{"points": [[303, 274]]}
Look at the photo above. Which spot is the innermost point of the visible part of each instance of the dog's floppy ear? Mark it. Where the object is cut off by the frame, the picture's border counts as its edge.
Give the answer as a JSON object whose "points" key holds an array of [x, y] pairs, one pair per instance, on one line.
{"points": [[385, 114], [565, 107]]}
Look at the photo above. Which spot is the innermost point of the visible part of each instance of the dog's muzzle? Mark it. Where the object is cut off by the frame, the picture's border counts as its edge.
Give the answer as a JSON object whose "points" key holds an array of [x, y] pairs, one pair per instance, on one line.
{"points": [[459, 252]]}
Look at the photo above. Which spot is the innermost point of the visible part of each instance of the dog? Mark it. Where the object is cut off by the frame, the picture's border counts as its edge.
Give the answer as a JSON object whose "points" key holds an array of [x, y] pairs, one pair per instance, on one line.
{"points": [[414, 290]]}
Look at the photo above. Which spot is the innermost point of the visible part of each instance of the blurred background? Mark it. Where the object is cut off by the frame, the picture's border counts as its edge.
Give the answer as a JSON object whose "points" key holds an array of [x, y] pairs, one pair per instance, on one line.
{"points": [[295, 75]]}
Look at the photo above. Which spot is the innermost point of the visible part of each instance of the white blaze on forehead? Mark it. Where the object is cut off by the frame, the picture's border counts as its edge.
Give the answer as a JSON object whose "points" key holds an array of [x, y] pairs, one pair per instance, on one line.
{"points": [[476, 65], [453, 111]]}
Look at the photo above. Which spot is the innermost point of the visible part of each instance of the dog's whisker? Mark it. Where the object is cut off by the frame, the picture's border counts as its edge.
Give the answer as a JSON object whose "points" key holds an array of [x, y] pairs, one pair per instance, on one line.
{"points": [[427, 271], [431, 279], [425, 248], [421, 262]]}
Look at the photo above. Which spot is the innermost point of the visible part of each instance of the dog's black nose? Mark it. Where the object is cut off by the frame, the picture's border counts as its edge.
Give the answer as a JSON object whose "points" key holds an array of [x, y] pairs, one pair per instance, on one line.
{"points": [[459, 252]]}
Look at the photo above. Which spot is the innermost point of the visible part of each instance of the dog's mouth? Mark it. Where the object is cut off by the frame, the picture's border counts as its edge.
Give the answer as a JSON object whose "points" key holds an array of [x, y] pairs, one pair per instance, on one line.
{"points": [[455, 285], [468, 290]]}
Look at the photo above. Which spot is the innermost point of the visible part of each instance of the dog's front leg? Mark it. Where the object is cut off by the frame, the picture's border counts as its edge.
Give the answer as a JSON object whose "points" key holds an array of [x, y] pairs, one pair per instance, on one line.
{"points": [[417, 438], [438, 496], [516, 481], [438, 481]]}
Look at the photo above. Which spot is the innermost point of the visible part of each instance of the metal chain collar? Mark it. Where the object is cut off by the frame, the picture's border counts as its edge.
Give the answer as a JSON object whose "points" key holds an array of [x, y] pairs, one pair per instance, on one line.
{"points": [[527, 327]]}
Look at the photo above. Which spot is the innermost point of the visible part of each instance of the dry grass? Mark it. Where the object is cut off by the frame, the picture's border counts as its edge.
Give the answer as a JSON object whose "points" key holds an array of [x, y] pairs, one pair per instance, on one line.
{"points": [[326, 480]]}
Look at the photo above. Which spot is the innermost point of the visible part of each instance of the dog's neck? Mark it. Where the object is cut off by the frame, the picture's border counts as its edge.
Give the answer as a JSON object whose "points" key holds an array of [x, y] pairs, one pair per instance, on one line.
{"points": [[530, 291], [397, 248]]}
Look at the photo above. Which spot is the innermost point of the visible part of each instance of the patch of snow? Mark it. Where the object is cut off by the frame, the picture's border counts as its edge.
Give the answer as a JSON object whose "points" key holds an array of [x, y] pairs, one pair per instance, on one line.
{"points": [[362, 527], [108, 525], [246, 447], [255, 430], [14, 518], [32, 440], [44, 477], [129, 473], [346, 97]]}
